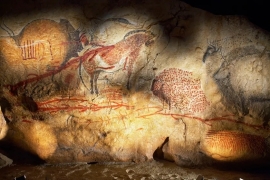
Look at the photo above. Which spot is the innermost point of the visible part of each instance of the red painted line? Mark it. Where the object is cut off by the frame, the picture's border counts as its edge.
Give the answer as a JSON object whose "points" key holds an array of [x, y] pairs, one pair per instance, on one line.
{"points": [[13, 88], [111, 67], [27, 121]]}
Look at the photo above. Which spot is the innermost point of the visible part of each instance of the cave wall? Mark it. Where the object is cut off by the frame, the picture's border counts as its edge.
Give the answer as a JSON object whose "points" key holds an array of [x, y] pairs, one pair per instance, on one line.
{"points": [[133, 81]]}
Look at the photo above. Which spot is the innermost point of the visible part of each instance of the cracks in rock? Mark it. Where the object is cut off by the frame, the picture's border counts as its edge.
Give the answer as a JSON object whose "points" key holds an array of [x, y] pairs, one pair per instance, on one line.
{"points": [[65, 148], [171, 25], [86, 151], [103, 135], [69, 120], [159, 154], [145, 79], [29, 103], [172, 22], [185, 129]]}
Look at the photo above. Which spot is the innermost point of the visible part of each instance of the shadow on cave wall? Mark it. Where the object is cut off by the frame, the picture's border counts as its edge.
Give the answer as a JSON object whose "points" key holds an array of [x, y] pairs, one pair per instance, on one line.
{"points": [[19, 155]]}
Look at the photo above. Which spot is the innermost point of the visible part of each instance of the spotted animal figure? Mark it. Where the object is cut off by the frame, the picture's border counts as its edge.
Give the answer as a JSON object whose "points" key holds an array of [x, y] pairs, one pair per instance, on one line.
{"points": [[121, 55], [180, 90]]}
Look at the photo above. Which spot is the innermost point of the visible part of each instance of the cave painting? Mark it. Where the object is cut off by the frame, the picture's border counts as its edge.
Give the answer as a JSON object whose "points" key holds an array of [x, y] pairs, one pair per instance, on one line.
{"points": [[122, 55], [101, 91], [175, 87], [242, 76], [42, 42], [94, 58], [234, 145], [35, 50], [179, 89]]}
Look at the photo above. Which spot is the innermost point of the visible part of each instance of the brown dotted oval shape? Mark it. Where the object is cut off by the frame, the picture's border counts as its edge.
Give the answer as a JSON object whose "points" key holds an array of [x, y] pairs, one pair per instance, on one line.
{"points": [[233, 146]]}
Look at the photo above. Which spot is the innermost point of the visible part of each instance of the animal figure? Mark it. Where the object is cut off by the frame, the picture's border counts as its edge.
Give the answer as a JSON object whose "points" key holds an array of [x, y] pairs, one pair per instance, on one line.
{"points": [[122, 55], [242, 76], [180, 90]]}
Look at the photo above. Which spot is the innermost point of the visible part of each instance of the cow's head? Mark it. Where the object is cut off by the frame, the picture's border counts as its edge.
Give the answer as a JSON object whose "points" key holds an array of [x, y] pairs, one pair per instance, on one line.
{"points": [[140, 37]]}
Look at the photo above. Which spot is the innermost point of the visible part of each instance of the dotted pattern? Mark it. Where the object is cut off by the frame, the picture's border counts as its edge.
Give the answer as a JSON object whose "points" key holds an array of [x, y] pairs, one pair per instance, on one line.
{"points": [[180, 90], [234, 145]]}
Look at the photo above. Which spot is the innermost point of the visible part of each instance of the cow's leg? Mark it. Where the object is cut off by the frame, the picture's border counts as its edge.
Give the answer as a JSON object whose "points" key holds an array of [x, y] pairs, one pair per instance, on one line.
{"points": [[128, 82], [96, 75], [92, 75], [130, 68]]}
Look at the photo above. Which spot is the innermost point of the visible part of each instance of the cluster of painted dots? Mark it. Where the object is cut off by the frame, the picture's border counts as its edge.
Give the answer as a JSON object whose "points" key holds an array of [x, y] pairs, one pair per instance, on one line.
{"points": [[239, 142], [180, 90]]}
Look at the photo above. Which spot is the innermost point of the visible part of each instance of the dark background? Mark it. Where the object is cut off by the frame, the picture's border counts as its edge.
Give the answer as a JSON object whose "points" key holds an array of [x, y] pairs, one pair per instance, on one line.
{"points": [[257, 11]]}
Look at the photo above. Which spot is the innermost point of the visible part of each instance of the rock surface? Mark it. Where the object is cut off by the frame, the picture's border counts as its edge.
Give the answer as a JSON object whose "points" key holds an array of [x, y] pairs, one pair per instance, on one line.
{"points": [[4, 161], [3, 126], [102, 81]]}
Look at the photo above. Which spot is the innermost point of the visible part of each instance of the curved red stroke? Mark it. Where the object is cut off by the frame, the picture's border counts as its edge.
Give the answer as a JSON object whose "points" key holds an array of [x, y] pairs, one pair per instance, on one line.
{"points": [[91, 53]]}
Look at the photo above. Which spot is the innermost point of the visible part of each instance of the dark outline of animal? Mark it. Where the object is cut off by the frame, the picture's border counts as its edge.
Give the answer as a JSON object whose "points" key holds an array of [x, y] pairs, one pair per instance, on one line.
{"points": [[90, 55], [109, 65], [236, 99]]}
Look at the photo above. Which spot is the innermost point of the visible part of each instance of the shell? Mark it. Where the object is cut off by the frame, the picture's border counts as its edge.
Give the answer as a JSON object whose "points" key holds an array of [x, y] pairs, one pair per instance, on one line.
{"points": [[233, 146]]}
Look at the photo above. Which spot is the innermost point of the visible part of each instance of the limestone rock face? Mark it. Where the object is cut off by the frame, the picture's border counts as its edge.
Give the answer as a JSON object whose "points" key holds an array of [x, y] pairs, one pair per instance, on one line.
{"points": [[3, 126], [4, 161], [134, 81]]}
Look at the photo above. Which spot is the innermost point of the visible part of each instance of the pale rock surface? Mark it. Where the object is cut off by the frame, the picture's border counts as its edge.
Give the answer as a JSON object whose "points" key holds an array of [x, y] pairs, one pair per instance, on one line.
{"points": [[152, 79], [3, 126], [4, 160]]}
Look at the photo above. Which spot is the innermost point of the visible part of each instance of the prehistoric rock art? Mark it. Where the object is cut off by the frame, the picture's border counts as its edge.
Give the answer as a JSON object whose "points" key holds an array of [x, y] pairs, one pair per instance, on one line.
{"points": [[234, 146], [110, 59], [143, 96], [242, 76], [179, 90], [40, 40], [40, 47], [122, 55]]}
